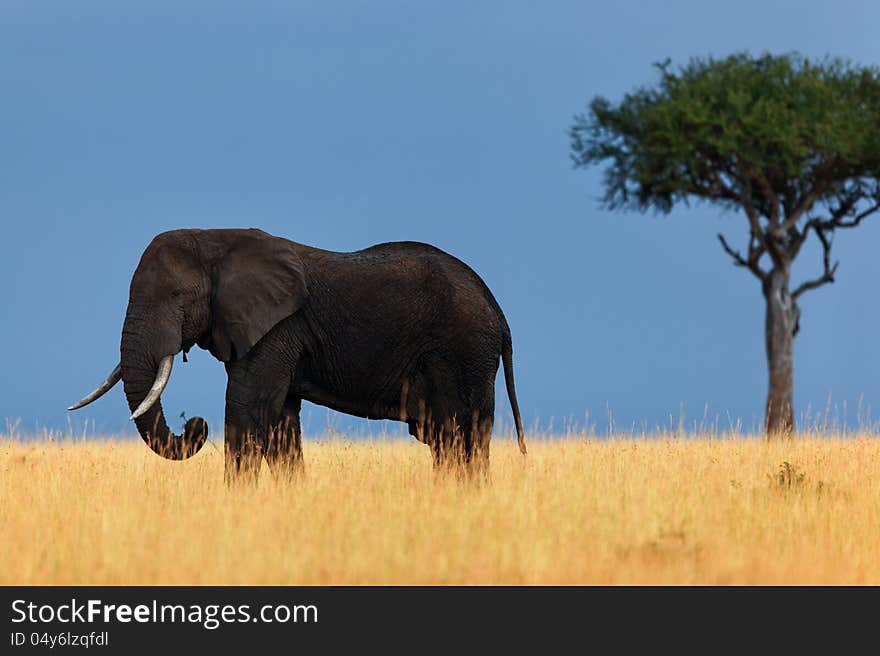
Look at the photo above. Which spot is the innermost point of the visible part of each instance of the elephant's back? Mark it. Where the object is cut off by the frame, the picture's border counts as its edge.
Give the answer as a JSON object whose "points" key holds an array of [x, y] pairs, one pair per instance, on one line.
{"points": [[403, 253], [429, 275], [414, 255]]}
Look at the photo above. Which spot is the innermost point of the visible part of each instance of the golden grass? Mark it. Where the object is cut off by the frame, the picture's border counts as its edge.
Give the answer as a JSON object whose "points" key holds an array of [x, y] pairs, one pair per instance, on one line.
{"points": [[664, 510]]}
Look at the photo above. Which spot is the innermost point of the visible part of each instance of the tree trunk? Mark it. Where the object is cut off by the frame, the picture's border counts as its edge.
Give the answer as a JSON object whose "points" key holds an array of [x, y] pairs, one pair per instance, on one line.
{"points": [[781, 327]]}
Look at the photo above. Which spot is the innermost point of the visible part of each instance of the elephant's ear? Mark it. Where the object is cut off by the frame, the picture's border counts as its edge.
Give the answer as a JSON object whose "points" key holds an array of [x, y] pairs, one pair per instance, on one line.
{"points": [[259, 282]]}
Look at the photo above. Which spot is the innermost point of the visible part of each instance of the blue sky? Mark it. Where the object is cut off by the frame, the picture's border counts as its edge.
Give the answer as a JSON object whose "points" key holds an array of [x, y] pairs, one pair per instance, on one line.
{"points": [[346, 124]]}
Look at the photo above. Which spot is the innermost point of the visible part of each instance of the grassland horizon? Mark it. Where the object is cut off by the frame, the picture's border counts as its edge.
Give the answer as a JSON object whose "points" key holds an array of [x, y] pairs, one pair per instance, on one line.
{"points": [[667, 509]]}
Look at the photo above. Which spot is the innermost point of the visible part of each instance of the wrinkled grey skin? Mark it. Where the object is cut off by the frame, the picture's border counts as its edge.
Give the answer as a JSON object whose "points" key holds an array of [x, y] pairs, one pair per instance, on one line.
{"points": [[398, 331]]}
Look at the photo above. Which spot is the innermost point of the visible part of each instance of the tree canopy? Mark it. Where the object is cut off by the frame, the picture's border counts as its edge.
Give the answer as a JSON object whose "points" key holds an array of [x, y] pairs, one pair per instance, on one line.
{"points": [[773, 135]]}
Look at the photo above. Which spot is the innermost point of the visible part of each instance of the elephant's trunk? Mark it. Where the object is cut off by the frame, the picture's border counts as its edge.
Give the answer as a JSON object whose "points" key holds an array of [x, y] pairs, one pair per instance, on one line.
{"points": [[139, 376]]}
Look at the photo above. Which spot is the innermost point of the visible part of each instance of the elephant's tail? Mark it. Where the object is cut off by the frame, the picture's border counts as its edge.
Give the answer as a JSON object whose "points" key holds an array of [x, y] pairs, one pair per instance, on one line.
{"points": [[507, 360]]}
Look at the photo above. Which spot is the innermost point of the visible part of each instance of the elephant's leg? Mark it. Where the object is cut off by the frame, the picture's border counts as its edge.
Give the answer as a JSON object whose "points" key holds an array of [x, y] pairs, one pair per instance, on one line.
{"points": [[242, 450], [284, 448], [438, 448], [481, 431], [463, 442], [480, 450], [472, 443], [448, 444], [255, 394], [433, 435]]}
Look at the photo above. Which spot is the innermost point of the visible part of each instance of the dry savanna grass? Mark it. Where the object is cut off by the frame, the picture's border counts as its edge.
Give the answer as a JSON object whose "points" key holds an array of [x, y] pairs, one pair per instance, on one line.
{"points": [[665, 510]]}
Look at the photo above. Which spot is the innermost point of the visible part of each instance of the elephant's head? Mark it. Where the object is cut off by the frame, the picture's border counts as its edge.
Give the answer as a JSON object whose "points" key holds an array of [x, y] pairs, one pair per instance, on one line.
{"points": [[220, 289]]}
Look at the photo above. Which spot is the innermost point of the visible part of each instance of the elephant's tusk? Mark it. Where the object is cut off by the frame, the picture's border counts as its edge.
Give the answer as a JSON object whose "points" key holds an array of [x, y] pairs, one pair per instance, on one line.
{"points": [[114, 377], [159, 384]]}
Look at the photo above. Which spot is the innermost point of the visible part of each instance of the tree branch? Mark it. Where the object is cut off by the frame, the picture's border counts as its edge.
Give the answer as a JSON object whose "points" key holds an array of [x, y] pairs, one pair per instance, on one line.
{"points": [[802, 208], [720, 188], [745, 200], [857, 219], [839, 213], [737, 258], [797, 239], [770, 197], [828, 270], [767, 241], [756, 249], [822, 228]]}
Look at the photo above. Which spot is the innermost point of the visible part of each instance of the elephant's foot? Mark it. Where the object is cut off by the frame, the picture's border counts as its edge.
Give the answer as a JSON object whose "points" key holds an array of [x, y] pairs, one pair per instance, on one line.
{"points": [[243, 455], [287, 468]]}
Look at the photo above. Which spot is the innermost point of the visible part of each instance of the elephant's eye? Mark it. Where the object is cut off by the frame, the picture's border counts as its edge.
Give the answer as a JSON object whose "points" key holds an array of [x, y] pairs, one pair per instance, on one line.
{"points": [[176, 293]]}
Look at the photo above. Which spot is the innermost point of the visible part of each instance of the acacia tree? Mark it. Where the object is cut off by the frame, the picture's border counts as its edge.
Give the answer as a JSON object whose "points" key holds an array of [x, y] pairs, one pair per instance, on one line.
{"points": [[792, 144]]}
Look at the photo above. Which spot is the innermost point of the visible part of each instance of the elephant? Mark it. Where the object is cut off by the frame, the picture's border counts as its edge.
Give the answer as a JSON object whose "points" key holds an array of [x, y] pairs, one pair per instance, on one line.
{"points": [[399, 330]]}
